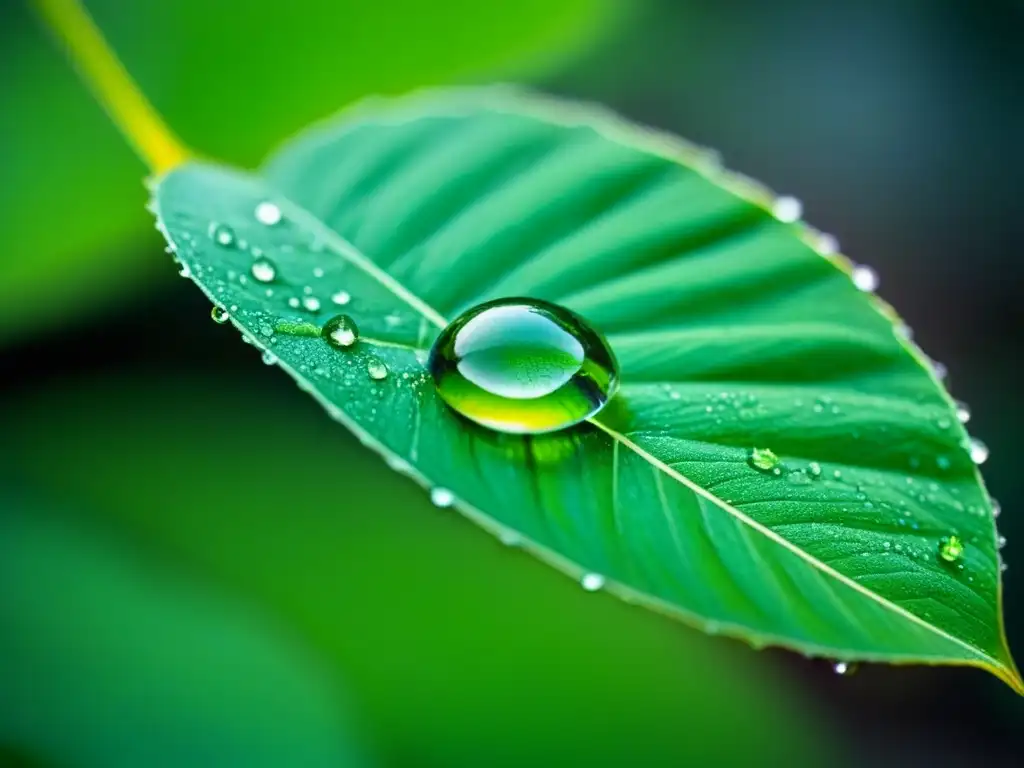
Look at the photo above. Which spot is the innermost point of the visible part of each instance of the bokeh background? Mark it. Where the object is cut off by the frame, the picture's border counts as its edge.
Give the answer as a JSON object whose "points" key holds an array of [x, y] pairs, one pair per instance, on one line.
{"points": [[197, 567]]}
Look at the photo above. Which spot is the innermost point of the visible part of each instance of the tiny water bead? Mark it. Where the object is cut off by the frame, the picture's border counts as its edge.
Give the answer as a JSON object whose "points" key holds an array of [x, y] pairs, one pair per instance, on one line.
{"points": [[219, 315], [222, 235], [377, 369], [951, 549], [787, 209], [765, 460], [845, 668], [340, 331], [341, 298], [592, 581], [865, 278], [263, 270], [977, 450], [442, 497], [268, 214], [523, 366]]}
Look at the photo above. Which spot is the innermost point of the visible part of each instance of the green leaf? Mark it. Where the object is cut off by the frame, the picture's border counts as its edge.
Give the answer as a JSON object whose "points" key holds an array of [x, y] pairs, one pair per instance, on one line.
{"points": [[232, 77], [732, 330], [459, 652], [110, 658]]}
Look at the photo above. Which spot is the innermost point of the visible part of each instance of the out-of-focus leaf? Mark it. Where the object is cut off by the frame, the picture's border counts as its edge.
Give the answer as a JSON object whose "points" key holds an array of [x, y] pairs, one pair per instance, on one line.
{"points": [[233, 78], [460, 652], [780, 464], [108, 658]]}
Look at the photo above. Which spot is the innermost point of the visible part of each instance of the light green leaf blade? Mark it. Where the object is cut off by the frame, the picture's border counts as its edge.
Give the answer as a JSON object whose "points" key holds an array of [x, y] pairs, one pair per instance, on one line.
{"points": [[733, 332], [231, 77], [111, 658]]}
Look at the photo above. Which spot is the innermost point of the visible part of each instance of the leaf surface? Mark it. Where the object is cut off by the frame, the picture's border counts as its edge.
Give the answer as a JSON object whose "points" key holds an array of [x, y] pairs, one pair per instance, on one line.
{"points": [[732, 329]]}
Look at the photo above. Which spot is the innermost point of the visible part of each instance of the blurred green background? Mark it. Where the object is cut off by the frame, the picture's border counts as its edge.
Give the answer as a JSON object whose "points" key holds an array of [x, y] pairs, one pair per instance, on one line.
{"points": [[199, 568]]}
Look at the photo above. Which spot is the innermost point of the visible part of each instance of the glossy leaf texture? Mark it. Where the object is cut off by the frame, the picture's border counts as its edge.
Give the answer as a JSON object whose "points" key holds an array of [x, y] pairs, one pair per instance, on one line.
{"points": [[734, 328]]}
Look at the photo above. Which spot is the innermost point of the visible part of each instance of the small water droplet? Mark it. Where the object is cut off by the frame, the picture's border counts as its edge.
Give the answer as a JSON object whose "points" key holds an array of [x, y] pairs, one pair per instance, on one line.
{"points": [[377, 369], [814, 468], [267, 213], [222, 235], [263, 270], [442, 497], [184, 270], [787, 209], [997, 508], [940, 370], [951, 549], [977, 450], [764, 460], [311, 303], [219, 315], [944, 423], [963, 412], [294, 302], [1001, 541], [942, 462], [340, 331], [592, 581], [827, 244], [318, 271], [865, 278], [341, 298], [269, 358], [904, 331], [845, 668], [510, 538]]}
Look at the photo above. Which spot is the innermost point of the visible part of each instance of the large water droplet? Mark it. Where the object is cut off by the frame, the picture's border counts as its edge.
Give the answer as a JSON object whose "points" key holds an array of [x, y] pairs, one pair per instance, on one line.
{"points": [[978, 451], [951, 549], [523, 366], [377, 369], [219, 315], [263, 270], [267, 213], [765, 460], [340, 331]]}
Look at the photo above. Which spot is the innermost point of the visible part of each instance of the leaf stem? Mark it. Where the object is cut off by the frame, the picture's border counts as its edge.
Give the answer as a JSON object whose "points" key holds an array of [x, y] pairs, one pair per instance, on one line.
{"points": [[111, 84]]}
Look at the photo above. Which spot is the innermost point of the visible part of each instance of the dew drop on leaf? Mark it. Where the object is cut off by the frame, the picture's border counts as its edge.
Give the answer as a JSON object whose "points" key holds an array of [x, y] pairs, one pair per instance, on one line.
{"points": [[442, 497], [219, 315], [377, 369], [845, 668], [963, 412], [977, 450], [341, 298], [865, 278], [951, 549], [268, 214], [311, 303], [294, 302], [997, 508], [269, 358], [222, 235], [340, 331], [1001, 542], [592, 581], [523, 366], [765, 460], [263, 270], [787, 209]]}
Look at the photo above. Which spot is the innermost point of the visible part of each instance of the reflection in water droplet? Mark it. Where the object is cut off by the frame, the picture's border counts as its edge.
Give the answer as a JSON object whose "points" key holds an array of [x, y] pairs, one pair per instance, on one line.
{"points": [[263, 270], [341, 298], [951, 549], [765, 460], [592, 581], [267, 213], [787, 209], [377, 369], [978, 451], [340, 331], [219, 315], [523, 366], [442, 497]]}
